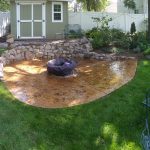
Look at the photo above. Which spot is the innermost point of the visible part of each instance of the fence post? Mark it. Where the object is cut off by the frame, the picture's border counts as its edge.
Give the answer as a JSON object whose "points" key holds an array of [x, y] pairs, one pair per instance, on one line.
{"points": [[4, 22], [125, 22]]}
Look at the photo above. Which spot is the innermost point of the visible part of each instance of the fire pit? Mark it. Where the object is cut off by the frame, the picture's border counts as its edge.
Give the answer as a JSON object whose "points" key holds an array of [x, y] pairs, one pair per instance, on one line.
{"points": [[61, 66]]}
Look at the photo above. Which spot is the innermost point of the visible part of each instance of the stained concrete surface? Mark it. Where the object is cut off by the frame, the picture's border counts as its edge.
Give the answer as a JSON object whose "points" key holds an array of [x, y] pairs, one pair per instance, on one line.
{"points": [[29, 82]]}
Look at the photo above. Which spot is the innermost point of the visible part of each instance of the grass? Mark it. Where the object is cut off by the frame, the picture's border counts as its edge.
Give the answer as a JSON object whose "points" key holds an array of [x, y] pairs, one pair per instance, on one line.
{"points": [[114, 122], [2, 51]]}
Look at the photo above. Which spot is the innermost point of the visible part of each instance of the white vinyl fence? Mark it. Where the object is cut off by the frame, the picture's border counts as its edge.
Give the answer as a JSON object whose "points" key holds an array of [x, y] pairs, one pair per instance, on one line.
{"points": [[120, 21], [4, 23]]}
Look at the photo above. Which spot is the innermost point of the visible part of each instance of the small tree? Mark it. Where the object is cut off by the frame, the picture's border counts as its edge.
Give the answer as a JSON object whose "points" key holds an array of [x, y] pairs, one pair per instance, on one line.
{"points": [[133, 28], [4, 5], [130, 4], [102, 23], [93, 5]]}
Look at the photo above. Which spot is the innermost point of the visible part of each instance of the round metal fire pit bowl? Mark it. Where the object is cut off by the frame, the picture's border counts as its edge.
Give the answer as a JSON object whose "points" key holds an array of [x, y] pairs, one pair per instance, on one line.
{"points": [[61, 66]]}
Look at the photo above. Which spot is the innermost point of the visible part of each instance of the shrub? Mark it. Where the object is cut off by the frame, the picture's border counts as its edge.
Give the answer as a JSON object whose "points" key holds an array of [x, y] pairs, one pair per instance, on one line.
{"points": [[133, 41], [139, 40], [89, 33], [142, 40], [147, 51], [102, 23], [120, 39], [101, 38], [133, 28], [2, 50]]}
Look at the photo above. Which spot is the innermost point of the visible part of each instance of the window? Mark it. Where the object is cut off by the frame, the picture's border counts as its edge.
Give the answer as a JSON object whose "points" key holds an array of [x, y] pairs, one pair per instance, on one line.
{"points": [[57, 12]]}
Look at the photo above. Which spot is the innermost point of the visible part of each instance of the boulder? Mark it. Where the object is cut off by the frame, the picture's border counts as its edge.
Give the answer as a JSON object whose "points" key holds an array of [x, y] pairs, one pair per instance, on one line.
{"points": [[10, 39], [3, 45]]}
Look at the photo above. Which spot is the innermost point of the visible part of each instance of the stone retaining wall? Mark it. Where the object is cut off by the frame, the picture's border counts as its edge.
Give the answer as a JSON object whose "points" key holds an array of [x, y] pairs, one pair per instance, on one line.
{"points": [[79, 48]]}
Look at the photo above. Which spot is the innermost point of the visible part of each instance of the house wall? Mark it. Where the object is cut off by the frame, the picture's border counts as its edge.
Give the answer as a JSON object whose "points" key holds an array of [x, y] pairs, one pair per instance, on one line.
{"points": [[145, 6], [13, 19], [122, 9], [55, 27], [117, 6], [52, 28]]}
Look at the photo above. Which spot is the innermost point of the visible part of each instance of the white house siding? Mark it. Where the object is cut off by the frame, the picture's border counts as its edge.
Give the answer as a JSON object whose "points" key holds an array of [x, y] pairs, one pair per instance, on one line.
{"points": [[112, 6], [145, 6], [117, 6]]}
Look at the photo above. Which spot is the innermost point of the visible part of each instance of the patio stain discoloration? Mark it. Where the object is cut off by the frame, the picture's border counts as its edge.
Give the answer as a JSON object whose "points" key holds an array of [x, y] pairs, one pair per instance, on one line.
{"points": [[29, 82]]}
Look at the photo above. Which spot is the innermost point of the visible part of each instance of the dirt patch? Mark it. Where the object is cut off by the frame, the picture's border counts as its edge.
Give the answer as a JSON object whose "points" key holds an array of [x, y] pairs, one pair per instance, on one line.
{"points": [[30, 83]]}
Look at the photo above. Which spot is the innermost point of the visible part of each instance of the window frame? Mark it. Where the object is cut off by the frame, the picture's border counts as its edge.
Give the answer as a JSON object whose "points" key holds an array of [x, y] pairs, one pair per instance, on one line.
{"points": [[53, 12]]}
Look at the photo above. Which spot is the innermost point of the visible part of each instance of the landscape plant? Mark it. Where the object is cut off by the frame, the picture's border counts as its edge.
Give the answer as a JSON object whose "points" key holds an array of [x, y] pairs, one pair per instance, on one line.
{"points": [[147, 51], [102, 36], [93, 5], [133, 28], [130, 4], [4, 5], [120, 39]]}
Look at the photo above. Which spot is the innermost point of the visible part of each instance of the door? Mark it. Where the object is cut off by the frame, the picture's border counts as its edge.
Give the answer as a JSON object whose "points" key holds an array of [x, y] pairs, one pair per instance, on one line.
{"points": [[30, 20]]}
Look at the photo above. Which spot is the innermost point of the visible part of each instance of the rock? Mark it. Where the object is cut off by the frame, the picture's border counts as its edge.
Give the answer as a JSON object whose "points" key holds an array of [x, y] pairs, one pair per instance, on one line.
{"points": [[18, 51], [36, 50], [84, 40], [87, 55], [10, 39], [53, 47], [39, 55], [12, 46], [3, 45], [133, 58], [66, 44], [29, 55], [3, 60], [12, 52], [137, 49], [1, 70], [31, 49], [147, 56], [18, 57], [12, 57], [47, 47], [81, 55], [45, 56]]}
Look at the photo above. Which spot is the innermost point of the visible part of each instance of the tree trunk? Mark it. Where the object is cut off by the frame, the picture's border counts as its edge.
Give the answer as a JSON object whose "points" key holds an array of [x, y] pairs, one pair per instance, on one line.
{"points": [[88, 5], [148, 37], [94, 5]]}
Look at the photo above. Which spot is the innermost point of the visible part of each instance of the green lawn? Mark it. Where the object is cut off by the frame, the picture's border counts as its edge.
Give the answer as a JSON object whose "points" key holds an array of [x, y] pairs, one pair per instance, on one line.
{"points": [[114, 122]]}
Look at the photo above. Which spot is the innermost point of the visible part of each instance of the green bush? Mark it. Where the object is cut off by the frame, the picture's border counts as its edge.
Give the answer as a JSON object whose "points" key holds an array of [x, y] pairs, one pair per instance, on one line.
{"points": [[2, 50], [147, 51], [133, 28], [142, 40], [89, 33], [120, 39], [101, 38], [139, 40]]}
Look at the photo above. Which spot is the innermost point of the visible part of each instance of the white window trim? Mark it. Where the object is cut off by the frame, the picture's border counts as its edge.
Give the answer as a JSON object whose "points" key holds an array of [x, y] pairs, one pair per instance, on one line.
{"points": [[60, 3]]}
